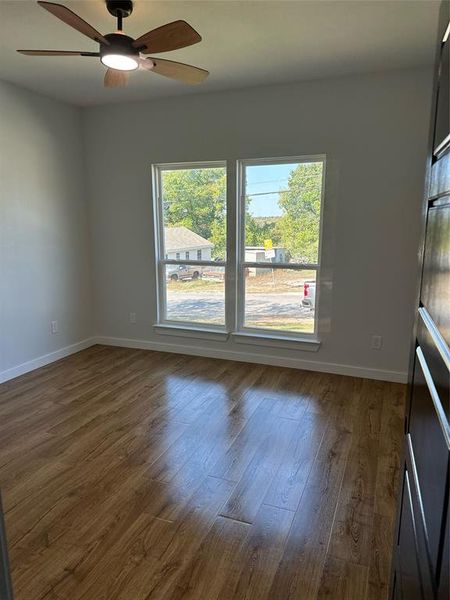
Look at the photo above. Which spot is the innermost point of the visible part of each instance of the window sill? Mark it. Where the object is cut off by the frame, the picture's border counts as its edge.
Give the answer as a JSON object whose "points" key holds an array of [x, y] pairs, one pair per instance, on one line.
{"points": [[208, 333], [310, 344]]}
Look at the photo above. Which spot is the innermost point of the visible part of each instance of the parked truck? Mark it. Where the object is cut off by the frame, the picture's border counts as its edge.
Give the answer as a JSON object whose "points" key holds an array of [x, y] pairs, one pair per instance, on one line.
{"points": [[309, 294]]}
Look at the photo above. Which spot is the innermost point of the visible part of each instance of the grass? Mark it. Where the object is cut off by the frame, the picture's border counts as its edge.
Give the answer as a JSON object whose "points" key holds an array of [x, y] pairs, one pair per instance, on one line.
{"points": [[196, 285], [297, 326]]}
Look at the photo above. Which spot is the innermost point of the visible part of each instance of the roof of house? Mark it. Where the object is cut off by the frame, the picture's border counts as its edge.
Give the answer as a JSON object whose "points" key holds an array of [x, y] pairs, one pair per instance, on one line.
{"points": [[182, 238]]}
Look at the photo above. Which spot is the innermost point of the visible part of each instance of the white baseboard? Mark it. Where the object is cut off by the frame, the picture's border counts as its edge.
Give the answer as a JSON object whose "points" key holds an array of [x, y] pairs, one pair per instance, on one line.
{"points": [[45, 359], [293, 363], [266, 359]]}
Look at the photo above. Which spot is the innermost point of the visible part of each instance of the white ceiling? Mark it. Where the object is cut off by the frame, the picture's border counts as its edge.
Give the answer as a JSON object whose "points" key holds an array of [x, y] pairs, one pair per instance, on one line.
{"points": [[245, 43]]}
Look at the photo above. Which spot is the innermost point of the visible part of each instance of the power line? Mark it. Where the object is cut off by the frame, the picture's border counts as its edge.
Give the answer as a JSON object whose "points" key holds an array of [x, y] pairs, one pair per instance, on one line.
{"points": [[266, 193]]}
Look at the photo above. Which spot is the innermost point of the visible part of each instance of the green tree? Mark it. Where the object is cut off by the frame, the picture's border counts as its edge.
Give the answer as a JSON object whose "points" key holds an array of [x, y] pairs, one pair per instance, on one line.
{"points": [[259, 229], [299, 224], [196, 199], [219, 238]]}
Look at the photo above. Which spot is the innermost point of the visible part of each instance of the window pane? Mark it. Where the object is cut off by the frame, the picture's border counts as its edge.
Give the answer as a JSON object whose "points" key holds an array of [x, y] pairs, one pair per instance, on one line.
{"points": [[282, 216], [194, 209], [281, 299], [195, 294]]}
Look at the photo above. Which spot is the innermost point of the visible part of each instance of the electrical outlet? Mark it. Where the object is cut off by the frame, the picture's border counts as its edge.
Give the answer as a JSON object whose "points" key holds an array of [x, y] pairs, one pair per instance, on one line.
{"points": [[132, 317], [54, 327], [377, 342]]}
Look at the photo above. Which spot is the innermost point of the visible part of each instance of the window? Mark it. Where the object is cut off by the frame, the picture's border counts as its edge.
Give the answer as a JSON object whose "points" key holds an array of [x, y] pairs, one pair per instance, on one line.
{"points": [[191, 209], [271, 283], [281, 206]]}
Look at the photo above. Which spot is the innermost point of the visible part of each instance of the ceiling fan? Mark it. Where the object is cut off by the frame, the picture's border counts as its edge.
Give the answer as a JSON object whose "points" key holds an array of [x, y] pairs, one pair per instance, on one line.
{"points": [[121, 53]]}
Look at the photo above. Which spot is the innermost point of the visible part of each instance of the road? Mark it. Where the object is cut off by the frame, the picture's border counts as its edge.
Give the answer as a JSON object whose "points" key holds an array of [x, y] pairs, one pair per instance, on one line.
{"points": [[195, 306]]}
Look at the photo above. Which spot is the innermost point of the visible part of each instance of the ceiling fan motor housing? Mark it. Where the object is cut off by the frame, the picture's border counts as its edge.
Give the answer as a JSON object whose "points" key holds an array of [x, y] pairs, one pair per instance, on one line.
{"points": [[119, 44]]}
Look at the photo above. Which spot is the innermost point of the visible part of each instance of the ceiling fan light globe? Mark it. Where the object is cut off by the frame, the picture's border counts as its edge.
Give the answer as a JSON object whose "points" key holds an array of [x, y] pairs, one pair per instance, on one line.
{"points": [[120, 62]]}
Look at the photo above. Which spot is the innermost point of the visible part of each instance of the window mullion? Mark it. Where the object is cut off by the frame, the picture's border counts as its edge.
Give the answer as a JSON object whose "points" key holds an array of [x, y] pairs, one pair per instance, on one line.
{"points": [[293, 266], [199, 263], [240, 242], [231, 257]]}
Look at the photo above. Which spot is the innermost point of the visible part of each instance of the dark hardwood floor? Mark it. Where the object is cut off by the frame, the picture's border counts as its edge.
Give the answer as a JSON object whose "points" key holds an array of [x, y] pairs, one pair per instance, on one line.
{"points": [[132, 475]]}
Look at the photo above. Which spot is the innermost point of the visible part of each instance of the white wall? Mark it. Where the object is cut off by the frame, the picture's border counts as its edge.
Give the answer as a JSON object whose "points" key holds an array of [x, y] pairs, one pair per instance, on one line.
{"points": [[373, 130], [44, 239]]}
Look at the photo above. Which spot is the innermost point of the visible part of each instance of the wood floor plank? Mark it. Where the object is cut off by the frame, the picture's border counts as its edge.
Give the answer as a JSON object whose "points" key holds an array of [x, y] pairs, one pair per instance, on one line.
{"points": [[256, 563], [234, 462], [300, 569], [351, 536], [383, 533], [290, 480], [248, 495], [213, 564], [139, 475], [390, 452], [342, 580], [352, 528]]}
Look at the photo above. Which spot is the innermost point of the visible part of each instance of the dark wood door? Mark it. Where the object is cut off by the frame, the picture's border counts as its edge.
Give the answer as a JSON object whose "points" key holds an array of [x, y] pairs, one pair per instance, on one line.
{"points": [[428, 450], [409, 579], [422, 548], [444, 576], [5, 578]]}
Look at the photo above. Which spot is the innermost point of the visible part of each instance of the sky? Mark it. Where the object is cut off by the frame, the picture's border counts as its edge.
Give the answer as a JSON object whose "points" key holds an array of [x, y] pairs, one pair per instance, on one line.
{"points": [[264, 179]]}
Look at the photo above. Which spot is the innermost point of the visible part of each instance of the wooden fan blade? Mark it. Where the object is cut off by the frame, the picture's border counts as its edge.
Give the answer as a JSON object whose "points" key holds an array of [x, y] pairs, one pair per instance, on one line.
{"points": [[172, 36], [57, 53], [115, 78], [179, 71], [72, 19]]}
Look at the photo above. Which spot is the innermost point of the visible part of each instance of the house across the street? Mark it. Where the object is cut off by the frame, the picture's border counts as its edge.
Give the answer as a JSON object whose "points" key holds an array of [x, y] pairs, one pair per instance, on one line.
{"points": [[183, 244], [260, 254]]}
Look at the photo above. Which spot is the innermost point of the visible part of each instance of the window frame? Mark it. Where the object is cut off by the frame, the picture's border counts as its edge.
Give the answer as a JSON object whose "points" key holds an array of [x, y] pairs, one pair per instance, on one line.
{"points": [[235, 264], [242, 264], [160, 254]]}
